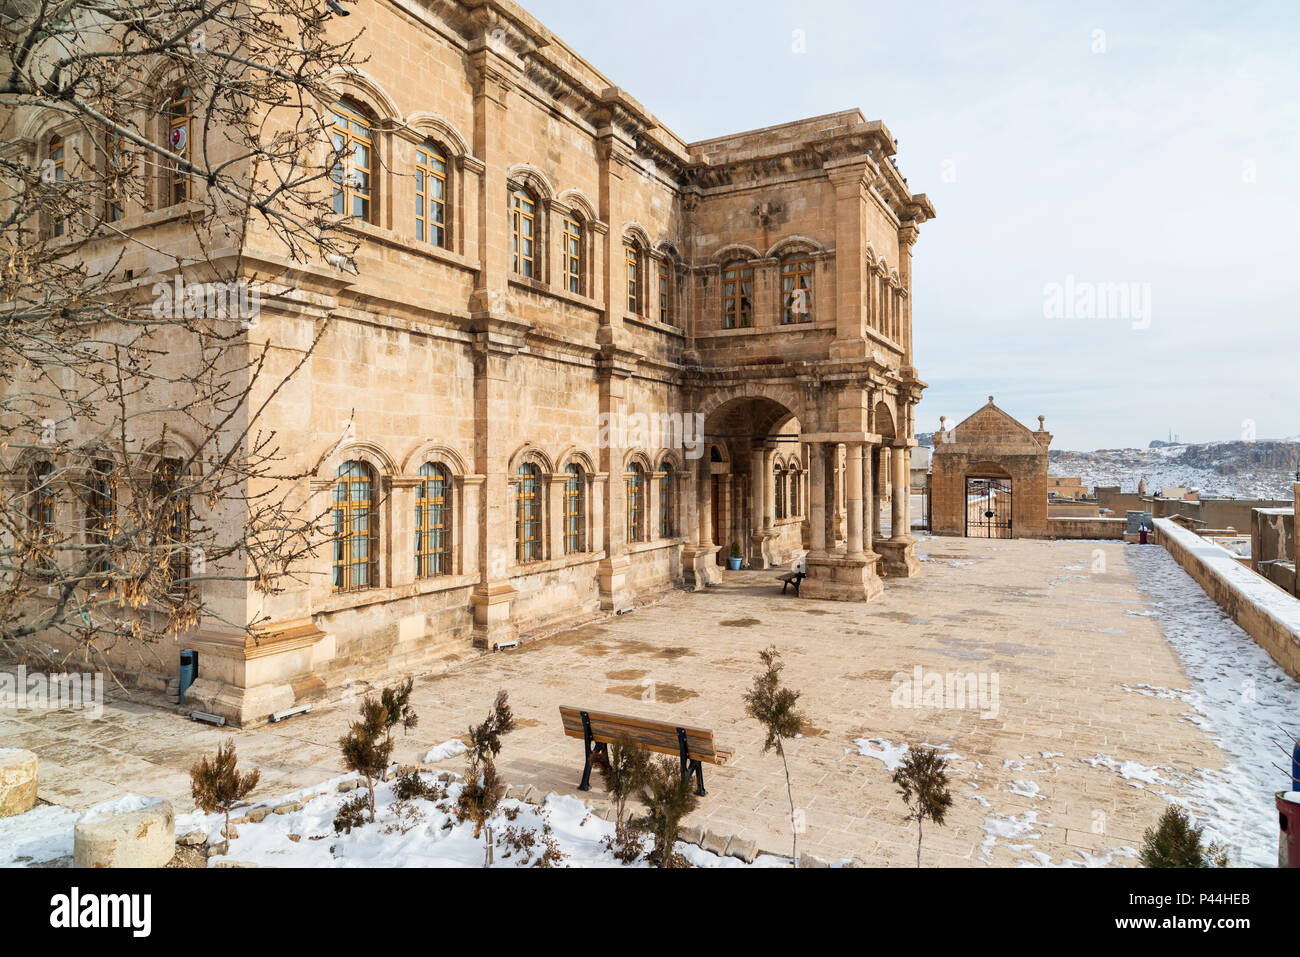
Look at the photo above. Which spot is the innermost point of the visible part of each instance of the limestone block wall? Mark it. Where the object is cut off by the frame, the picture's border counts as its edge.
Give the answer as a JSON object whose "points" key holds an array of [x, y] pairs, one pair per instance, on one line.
{"points": [[1107, 529]]}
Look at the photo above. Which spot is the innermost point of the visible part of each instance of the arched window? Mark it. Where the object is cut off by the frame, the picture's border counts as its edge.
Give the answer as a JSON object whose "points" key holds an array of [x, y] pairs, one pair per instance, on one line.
{"points": [[354, 154], [431, 194], [179, 111], [101, 509], [738, 296], [632, 259], [574, 506], [356, 529], [40, 490], [667, 527], [665, 290], [796, 505], [635, 504], [173, 502], [523, 233], [57, 154], [114, 176], [778, 488], [572, 244], [796, 289], [528, 515], [433, 522]]}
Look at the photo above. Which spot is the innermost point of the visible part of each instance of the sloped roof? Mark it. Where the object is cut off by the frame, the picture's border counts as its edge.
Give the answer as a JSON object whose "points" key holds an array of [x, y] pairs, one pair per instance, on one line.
{"points": [[990, 425]]}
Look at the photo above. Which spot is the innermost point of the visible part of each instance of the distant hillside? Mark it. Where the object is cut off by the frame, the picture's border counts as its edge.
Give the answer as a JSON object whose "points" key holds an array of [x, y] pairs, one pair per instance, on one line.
{"points": [[1261, 469]]}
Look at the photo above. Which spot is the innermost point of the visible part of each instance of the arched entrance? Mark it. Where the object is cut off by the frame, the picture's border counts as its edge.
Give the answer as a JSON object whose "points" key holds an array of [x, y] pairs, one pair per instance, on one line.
{"points": [[748, 436]]}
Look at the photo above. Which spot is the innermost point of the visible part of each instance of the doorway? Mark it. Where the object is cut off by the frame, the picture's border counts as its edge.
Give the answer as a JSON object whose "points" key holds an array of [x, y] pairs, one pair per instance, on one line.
{"points": [[988, 507]]}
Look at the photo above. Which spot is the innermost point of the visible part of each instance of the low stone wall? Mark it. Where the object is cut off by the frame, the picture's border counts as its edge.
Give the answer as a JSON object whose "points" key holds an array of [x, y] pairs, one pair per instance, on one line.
{"points": [[1265, 612], [1094, 528]]}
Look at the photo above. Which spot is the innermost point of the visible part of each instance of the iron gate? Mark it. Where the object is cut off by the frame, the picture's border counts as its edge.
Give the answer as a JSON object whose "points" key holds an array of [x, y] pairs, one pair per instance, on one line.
{"points": [[988, 508]]}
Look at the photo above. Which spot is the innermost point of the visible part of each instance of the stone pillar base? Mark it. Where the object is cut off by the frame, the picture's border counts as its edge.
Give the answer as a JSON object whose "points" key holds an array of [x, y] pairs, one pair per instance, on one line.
{"points": [[700, 566], [492, 624], [247, 678], [838, 578], [614, 594], [899, 556], [764, 543]]}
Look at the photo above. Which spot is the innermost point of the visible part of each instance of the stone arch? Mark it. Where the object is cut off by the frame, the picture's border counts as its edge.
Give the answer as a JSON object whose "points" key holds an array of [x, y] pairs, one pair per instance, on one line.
{"points": [[438, 128], [577, 200], [987, 469], [530, 454], [637, 457], [361, 86], [883, 420], [636, 232], [433, 451], [736, 252], [373, 455], [173, 446], [794, 244], [666, 248], [668, 459], [576, 456], [788, 397], [530, 177]]}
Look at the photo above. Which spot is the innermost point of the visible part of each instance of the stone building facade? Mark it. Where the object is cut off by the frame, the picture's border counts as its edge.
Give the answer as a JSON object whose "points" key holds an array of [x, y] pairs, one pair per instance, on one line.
{"points": [[989, 477], [579, 359]]}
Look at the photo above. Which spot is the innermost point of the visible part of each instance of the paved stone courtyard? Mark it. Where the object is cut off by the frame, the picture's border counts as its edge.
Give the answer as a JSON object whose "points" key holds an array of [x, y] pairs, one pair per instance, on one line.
{"points": [[1060, 639]]}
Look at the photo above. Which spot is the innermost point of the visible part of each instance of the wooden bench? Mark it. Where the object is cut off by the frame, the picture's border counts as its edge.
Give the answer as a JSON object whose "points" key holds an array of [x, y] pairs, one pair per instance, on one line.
{"points": [[599, 730], [792, 578]]}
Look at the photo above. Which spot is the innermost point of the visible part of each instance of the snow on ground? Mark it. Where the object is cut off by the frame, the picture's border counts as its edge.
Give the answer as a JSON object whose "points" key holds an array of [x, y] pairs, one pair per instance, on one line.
{"points": [[448, 749], [42, 834], [425, 833], [1239, 696]]}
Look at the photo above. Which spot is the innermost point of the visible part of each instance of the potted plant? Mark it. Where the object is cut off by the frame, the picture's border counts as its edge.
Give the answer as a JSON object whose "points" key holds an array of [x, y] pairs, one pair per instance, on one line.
{"points": [[733, 562]]}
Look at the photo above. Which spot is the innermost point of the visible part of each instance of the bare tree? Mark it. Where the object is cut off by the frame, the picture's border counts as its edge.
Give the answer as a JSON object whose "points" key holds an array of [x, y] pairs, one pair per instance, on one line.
{"points": [[166, 167]]}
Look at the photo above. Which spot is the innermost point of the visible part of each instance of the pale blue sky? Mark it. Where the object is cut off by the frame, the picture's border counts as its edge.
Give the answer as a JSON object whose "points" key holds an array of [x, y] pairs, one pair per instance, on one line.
{"points": [[1171, 159]]}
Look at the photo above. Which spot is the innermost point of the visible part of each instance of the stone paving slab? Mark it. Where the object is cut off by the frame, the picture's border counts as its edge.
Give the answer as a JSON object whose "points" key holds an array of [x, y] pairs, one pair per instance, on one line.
{"points": [[1061, 642]]}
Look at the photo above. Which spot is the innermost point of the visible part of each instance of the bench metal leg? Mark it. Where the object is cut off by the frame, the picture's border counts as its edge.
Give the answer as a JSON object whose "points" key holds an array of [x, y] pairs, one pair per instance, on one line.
{"points": [[590, 748], [690, 766]]}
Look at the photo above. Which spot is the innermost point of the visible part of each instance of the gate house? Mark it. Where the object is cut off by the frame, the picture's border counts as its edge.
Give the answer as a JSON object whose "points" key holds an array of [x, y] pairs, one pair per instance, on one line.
{"points": [[989, 478]]}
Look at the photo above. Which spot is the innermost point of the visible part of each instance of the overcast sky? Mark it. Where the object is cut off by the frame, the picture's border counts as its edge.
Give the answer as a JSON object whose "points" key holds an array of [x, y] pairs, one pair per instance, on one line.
{"points": [[1155, 146]]}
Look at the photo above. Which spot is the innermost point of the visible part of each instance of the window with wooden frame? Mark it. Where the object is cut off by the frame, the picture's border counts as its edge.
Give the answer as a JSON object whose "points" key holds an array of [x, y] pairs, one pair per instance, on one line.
{"points": [[635, 504], [56, 152], [354, 156], [101, 511], [523, 233], [574, 506], [796, 289], [667, 527], [40, 512], [665, 290], [572, 243], [796, 506], [737, 296], [528, 515], [431, 194], [632, 258], [173, 502], [179, 113], [356, 529], [778, 492], [433, 521], [114, 174]]}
